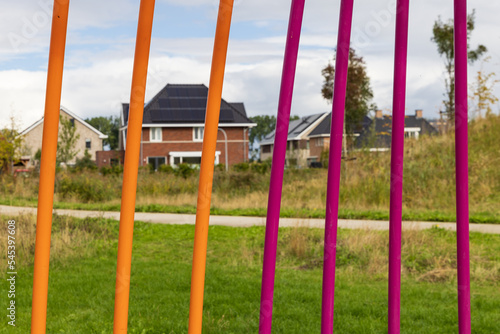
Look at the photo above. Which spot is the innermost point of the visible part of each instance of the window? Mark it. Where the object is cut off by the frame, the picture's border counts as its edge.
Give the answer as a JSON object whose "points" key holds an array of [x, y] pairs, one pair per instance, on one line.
{"points": [[72, 121], [198, 134], [155, 134], [411, 134], [318, 142], [156, 162], [192, 158], [88, 144], [266, 148]]}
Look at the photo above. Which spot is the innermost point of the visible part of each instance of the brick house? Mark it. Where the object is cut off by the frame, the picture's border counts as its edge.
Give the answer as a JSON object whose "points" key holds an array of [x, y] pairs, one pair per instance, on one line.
{"points": [[90, 138], [319, 138], [173, 123], [298, 145]]}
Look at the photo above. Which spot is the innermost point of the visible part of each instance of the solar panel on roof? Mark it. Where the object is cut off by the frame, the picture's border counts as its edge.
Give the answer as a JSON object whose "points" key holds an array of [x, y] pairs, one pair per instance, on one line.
{"points": [[226, 115]]}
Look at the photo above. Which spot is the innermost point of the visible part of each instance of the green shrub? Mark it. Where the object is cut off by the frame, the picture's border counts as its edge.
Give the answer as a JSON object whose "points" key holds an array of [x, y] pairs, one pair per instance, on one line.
{"points": [[114, 170], [85, 162], [241, 167], [260, 168], [86, 187], [166, 169], [184, 171]]}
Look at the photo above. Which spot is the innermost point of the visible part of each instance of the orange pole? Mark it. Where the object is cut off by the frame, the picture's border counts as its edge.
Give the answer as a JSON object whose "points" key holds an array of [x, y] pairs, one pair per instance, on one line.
{"points": [[207, 165], [48, 166], [131, 168]]}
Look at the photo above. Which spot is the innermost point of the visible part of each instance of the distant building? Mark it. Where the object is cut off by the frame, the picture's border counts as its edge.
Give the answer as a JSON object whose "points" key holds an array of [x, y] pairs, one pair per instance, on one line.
{"points": [[90, 138], [173, 127], [376, 135], [298, 143], [310, 136]]}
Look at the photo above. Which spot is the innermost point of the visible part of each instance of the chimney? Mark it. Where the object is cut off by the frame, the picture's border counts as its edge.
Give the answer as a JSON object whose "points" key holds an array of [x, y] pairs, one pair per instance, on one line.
{"points": [[419, 113], [378, 114]]}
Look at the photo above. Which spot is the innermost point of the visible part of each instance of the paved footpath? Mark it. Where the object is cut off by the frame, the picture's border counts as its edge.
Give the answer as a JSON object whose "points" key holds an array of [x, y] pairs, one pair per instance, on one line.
{"points": [[171, 218]]}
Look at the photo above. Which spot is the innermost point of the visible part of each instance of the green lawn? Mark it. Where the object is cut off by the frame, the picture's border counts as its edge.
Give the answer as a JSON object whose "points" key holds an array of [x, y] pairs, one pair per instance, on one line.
{"points": [[82, 279]]}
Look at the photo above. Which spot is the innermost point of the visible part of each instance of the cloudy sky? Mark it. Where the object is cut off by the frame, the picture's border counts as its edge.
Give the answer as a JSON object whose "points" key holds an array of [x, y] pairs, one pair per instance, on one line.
{"points": [[101, 37]]}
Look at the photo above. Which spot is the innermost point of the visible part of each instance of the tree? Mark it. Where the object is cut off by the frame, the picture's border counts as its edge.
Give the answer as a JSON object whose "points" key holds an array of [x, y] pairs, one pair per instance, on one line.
{"points": [[85, 162], [110, 126], [443, 37], [10, 144], [358, 94], [67, 141], [482, 92]]}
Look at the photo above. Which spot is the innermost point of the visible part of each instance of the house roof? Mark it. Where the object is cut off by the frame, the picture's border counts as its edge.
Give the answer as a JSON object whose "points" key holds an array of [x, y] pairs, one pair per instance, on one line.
{"points": [[324, 128], [297, 128], [383, 129], [186, 104], [70, 113]]}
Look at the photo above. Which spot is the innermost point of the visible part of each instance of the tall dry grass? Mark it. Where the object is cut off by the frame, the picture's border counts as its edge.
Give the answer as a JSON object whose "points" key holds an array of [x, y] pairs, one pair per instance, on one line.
{"points": [[70, 238], [428, 255]]}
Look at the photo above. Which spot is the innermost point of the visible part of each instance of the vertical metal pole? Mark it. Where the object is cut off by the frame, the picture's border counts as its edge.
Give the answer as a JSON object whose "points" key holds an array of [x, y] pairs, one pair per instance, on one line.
{"points": [[462, 172], [397, 153], [131, 165], [48, 166], [334, 159], [278, 165], [207, 165]]}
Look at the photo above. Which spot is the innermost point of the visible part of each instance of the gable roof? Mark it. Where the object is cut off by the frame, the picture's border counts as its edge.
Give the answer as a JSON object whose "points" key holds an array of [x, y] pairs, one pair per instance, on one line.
{"points": [[324, 128], [383, 129], [297, 128], [186, 104], [67, 111]]}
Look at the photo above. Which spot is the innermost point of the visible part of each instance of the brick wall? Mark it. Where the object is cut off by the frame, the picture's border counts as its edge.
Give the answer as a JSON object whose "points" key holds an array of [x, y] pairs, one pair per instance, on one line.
{"points": [[181, 139], [315, 151], [103, 158]]}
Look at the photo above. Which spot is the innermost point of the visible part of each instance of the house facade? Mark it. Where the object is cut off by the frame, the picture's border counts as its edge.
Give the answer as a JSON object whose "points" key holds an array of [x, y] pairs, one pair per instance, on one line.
{"points": [[298, 143], [173, 127], [90, 139]]}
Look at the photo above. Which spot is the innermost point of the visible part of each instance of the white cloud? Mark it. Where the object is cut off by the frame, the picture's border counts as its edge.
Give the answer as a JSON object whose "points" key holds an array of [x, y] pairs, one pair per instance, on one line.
{"points": [[99, 65]]}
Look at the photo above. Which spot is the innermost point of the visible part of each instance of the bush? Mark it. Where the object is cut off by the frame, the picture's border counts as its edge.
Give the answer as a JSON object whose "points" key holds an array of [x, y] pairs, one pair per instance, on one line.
{"points": [[260, 168], [220, 167], [241, 167], [166, 169], [86, 187], [184, 171], [114, 170], [85, 163]]}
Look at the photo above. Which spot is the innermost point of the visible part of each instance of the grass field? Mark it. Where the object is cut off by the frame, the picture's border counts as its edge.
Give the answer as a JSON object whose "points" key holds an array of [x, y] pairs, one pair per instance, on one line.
{"points": [[83, 264]]}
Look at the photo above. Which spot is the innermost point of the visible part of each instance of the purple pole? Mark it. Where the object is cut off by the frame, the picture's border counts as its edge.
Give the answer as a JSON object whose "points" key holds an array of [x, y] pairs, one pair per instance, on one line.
{"points": [[397, 153], [332, 190], [278, 165], [462, 173]]}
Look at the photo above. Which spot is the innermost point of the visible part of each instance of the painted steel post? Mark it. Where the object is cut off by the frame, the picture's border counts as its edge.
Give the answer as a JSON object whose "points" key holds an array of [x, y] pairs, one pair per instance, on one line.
{"points": [[397, 154], [278, 165], [48, 166], [462, 168], [207, 165], [131, 165], [334, 159]]}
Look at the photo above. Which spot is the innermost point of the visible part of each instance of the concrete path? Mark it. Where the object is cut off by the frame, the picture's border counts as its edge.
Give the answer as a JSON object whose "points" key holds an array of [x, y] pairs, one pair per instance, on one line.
{"points": [[170, 218]]}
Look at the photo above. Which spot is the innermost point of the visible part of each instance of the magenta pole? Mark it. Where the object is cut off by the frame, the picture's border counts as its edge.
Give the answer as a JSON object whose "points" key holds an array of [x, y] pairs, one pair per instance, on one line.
{"points": [[332, 190], [278, 165], [462, 172], [397, 153]]}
